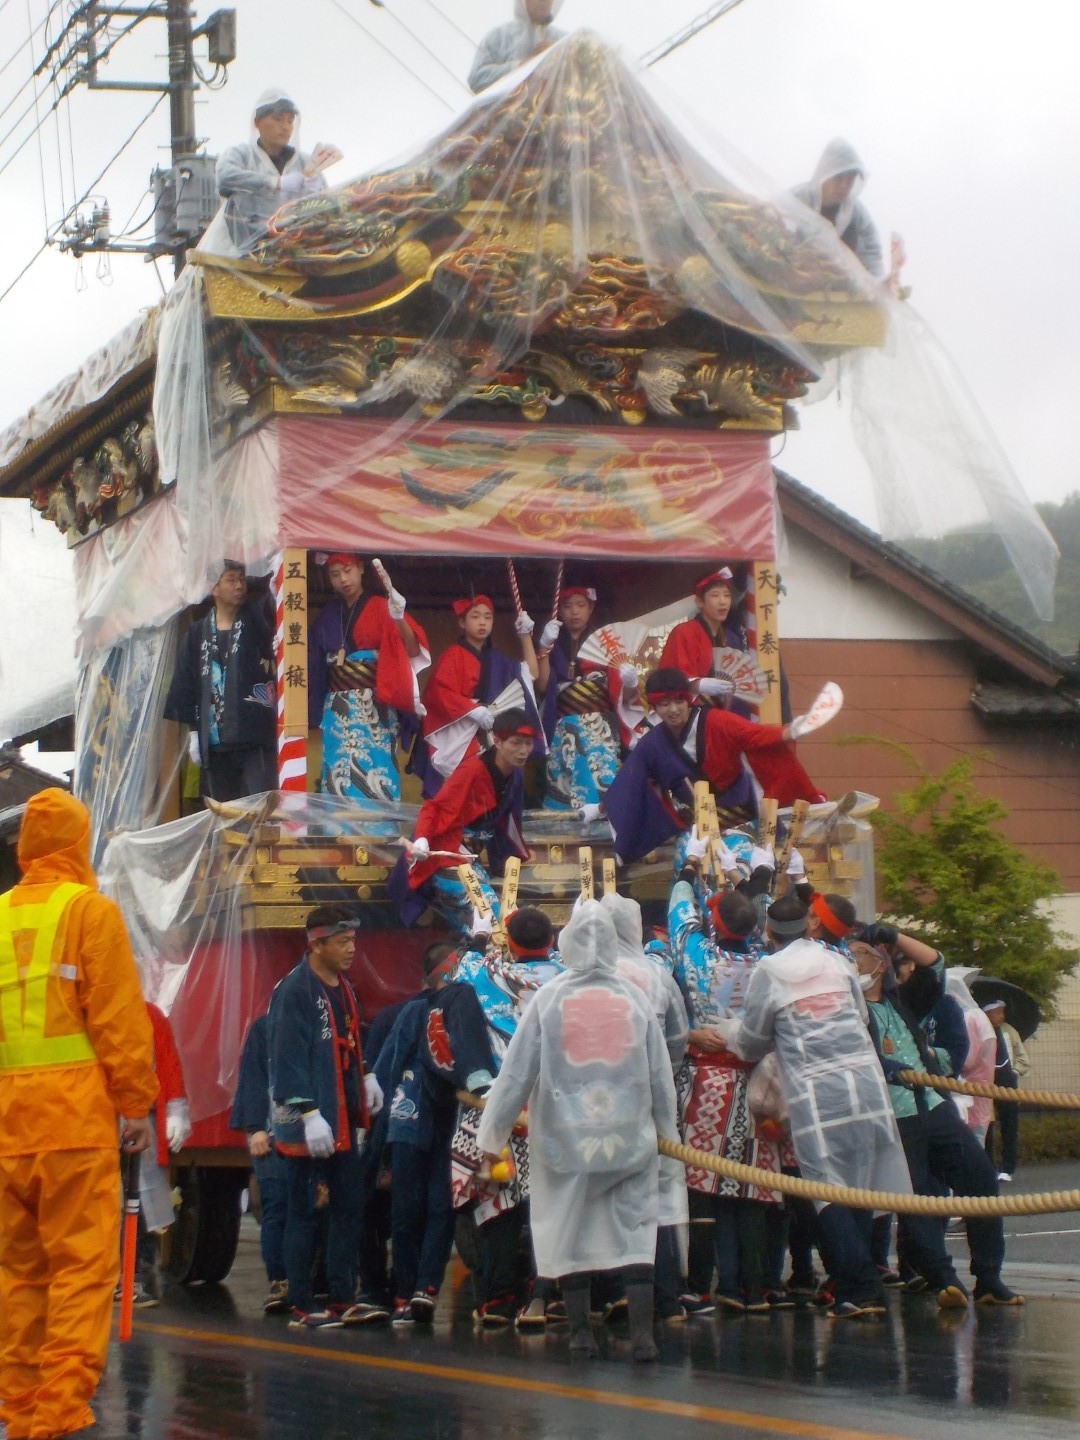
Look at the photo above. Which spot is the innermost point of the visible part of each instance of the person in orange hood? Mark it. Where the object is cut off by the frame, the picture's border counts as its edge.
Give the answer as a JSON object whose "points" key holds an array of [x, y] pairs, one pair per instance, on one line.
{"points": [[75, 1054]]}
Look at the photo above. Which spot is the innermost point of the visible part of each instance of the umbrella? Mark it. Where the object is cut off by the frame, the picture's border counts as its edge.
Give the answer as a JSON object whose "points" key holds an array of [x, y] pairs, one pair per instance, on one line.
{"points": [[1022, 1011]]}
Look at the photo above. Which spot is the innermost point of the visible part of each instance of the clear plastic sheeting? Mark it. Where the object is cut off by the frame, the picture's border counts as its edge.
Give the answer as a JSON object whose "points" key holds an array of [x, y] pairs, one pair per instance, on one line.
{"points": [[120, 774], [37, 636], [85, 387], [141, 572], [563, 243], [214, 902], [938, 468]]}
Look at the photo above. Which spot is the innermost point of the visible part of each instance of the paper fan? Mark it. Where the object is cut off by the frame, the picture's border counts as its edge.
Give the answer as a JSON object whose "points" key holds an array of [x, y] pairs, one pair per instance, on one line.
{"points": [[512, 698], [739, 666]]}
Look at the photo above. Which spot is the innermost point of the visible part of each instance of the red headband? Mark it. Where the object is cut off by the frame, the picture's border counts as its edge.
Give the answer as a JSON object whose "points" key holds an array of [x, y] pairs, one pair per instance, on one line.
{"points": [[462, 607], [525, 731], [718, 577], [655, 696], [722, 931], [586, 590], [522, 953], [836, 927], [340, 557]]}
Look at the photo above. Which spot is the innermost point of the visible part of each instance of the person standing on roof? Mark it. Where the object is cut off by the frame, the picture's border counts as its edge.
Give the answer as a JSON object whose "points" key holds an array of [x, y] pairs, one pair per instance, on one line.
{"points": [[508, 46], [259, 175], [833, 191], [75, 1054]]}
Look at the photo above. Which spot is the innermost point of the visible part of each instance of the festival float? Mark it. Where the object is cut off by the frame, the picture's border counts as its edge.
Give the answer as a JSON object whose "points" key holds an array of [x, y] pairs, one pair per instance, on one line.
{"points": [[553, 347]]}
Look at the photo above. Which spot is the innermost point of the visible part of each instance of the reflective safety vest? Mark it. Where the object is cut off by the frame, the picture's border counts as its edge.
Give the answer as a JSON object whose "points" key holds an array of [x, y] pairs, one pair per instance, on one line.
{"points": [[24, 988]]}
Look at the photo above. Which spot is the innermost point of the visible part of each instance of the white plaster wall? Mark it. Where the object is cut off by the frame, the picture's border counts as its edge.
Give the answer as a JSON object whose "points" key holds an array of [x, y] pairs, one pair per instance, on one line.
{"points": [[824, 602]]}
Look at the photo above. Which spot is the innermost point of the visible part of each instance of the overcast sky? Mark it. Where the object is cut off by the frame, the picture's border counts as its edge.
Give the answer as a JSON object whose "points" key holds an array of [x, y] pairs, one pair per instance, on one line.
{"points": [[965, 113]]}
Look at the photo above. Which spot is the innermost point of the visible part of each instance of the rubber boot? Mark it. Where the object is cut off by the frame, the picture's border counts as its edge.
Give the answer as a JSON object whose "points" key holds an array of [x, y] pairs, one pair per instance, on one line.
{"points": [[640, 1299], [576, 1297]]}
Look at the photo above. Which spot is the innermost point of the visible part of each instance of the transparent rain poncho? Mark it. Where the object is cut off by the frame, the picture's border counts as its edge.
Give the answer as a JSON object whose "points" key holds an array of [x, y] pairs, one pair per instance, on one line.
{"points": [[660, 990], [804, 1001], [589, 1057]]}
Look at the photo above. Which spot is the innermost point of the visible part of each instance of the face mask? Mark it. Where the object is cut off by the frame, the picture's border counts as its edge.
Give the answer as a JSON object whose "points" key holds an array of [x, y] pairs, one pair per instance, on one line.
{"points": [[867, 982]]}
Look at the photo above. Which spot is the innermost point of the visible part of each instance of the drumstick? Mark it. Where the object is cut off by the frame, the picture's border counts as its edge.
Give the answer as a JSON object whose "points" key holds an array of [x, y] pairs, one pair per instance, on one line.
{"points": [[558, 591], [514, 586]]}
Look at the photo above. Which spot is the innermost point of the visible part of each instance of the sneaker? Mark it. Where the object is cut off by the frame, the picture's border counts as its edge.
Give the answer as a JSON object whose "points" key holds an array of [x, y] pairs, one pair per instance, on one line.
{"points": [[142, 1299], [995, 1292], [891, 1279], [804, 1286], [315, 1320], [916, 1285], [874, 1306], [953, 1296], [1004, 1178], [844, 1310], [364, 1312], [277, 1299], [697, 1304], [555, 1312], [423, 1304], [780, 1300], [402, 1314], [497, 1314], [826, 1295], [533, 1317], [732, 1303]]}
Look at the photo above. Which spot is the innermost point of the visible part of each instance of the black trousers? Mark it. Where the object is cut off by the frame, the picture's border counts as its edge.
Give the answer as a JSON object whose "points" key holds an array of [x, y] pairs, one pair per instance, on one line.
{"points": [[239, 770], [941, 1150], [1006, 1124]]}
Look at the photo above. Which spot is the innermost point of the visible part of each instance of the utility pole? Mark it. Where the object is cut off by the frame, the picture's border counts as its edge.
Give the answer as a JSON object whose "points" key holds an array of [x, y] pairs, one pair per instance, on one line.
{"points": [[181, 80], [185, 195]]}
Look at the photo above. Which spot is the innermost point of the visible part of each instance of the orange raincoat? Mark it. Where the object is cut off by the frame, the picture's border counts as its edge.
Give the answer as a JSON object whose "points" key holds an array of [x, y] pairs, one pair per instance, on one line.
{"points": [[75, 1053]]}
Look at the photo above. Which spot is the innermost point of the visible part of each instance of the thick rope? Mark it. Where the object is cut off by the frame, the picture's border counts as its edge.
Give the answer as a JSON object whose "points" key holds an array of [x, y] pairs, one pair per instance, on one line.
{"points": [[1051, 1202], [1032, 1099]]}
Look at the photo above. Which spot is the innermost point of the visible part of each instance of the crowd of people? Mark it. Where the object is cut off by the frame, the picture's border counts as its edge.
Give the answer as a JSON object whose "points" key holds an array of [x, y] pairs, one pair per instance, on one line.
{"points": [[516, 1103]]}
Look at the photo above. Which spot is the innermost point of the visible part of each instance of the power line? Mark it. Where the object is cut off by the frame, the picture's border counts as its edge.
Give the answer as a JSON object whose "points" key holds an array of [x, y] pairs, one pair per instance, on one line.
{"points": [[88, 191], [353, 19], [428, 51], [450, 21], [706, 18]]}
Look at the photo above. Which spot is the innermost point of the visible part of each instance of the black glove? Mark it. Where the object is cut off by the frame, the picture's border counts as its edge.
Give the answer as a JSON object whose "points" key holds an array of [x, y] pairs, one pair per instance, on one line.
{"points": [[892, 1070], [886, 935]]}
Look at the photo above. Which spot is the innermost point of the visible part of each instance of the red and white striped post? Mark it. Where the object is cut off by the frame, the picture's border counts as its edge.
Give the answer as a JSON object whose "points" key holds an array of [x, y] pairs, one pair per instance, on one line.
{"points": [[291, 659]]}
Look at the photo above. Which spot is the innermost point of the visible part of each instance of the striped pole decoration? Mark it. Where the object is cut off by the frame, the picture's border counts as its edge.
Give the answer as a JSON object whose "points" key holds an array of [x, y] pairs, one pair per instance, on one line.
{"points": [[290, 608]]}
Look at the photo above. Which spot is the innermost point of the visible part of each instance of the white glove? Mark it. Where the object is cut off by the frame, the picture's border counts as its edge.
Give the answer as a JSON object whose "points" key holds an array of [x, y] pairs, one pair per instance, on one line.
{"points": [[293, 184], [550, 634], [318, 1136], [194, 753], [725, 858], [482, 717], [312, 185], [760, 856], [697, 847], [482, 924], [629, 676], [177, 1124], [395, 603], [373, 1094], [796, 866], [726, 1028], [589, 813], [421, 848], [718, 686], [524, 624]]}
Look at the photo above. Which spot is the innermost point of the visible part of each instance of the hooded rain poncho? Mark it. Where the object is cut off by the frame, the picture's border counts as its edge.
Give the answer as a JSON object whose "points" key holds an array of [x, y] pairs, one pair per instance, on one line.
{"points": [[590, 1059], [805, 1001]]}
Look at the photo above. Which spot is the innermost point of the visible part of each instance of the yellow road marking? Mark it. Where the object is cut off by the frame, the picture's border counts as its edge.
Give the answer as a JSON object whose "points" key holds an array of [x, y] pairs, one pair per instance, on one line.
{"points": [[451, 1374]]}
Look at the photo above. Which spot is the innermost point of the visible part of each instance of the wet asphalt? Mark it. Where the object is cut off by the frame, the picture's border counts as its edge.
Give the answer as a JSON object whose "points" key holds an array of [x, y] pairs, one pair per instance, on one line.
{"points": [[207, 1365]]}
